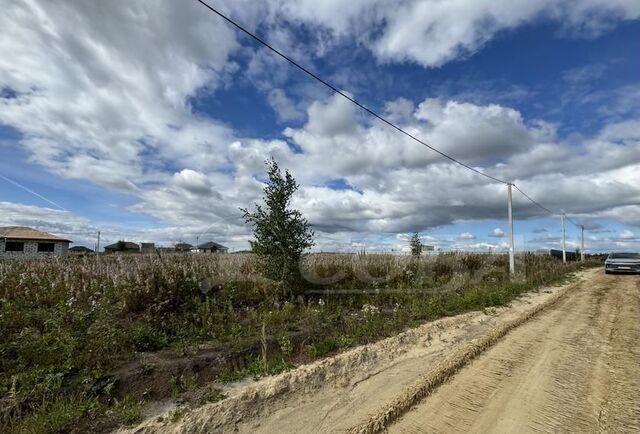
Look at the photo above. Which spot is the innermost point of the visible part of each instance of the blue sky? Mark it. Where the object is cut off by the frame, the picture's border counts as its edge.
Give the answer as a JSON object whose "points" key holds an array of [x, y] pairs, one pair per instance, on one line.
{"points": [[151, 121]]}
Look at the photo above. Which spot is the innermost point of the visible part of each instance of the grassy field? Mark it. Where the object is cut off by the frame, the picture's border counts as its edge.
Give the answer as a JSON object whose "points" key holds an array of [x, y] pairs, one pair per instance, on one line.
{"points": [[72, 329]]}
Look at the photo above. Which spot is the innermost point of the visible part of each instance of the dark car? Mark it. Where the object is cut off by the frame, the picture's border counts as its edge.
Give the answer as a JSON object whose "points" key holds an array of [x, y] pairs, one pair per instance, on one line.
{"points": [[622, 263]]}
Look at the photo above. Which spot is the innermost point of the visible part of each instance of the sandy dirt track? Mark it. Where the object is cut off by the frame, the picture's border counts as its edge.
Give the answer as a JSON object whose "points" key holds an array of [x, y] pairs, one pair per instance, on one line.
{"points": [[572, 368]]}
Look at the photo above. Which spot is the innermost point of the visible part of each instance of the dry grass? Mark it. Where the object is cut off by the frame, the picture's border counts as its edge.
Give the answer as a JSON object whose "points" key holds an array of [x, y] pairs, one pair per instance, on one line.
{"points": [[68, 324]]}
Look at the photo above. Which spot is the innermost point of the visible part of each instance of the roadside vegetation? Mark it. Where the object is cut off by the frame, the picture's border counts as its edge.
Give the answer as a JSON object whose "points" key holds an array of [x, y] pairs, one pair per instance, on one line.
{"points": [[68, 324], [86, 341]]}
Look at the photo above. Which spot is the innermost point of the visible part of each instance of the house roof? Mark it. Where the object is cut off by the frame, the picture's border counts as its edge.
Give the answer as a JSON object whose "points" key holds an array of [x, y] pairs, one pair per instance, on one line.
{"points": [[25, 233], [80, 249], [211, 245], [127, 245]]}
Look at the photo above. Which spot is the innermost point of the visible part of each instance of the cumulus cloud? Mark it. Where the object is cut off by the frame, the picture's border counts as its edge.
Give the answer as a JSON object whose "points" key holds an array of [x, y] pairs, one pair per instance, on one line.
{"points": [[466, 236], [433, 32], [101, 90], [497, 233], [627, 235], [104, 93], [285, 107]]}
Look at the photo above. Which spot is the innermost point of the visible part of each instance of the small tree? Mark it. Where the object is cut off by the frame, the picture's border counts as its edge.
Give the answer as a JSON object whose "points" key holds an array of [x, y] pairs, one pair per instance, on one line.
{"points": [[416, 244], [121, 246], [281, 234]]}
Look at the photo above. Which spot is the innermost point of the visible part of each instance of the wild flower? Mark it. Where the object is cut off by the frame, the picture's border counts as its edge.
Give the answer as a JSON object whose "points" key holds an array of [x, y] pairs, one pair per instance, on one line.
{"points": [[369, 309]]}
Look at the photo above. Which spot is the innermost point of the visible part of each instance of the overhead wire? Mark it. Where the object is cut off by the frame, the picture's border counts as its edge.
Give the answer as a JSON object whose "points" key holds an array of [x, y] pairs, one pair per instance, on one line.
{"points": [[367, 109], [539, 205], [344, 95]]}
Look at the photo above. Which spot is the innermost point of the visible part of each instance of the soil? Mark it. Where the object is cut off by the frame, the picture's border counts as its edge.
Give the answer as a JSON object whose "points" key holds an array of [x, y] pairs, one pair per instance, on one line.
{"points": [[565, 358], [573, 368]]}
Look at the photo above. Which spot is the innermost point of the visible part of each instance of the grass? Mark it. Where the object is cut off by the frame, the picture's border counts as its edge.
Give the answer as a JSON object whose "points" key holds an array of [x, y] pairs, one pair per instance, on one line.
{"points": [[128, 410], [67, 324], [256, 369]]}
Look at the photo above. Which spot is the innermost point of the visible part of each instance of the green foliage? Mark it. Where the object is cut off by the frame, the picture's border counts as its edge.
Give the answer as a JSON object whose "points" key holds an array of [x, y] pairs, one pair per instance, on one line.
{"points": [[146, 338], [281, 234], [416, 245], [59, 416], [328, 345], [210, 394], [128, 410], [286, 346], [68, 324], [185, 382]]}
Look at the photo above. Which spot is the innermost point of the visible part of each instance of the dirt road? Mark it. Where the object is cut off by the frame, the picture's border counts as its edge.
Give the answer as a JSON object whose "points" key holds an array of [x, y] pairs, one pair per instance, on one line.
{"points": [[558, 360], [572, 368]]}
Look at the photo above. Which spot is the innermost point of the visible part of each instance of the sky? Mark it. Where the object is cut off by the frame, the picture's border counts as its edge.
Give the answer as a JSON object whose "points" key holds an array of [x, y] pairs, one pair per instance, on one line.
{"points": [[151, 121]]}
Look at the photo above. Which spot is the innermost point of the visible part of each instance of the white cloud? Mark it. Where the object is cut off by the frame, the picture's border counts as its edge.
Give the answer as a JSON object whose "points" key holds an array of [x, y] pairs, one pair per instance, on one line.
{"points": [[285, 107], [432, 32], [627, 235], [101, 90], [466, 236], [497, 233], [102, 93]]}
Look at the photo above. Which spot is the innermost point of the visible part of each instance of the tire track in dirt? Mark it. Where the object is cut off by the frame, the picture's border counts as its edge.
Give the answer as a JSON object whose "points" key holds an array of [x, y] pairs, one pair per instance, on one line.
{"points": [[620, 411], [574, 367], [364, 389]]}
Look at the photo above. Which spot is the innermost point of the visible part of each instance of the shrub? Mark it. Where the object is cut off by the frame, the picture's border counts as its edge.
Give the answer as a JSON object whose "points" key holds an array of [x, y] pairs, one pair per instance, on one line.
{"points": [[282, 234], [146, 338]]}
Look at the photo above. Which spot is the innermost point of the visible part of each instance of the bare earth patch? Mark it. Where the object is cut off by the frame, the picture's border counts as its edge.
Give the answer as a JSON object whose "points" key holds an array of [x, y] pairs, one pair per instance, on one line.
{"points": [[573, 368], [365, 389]]}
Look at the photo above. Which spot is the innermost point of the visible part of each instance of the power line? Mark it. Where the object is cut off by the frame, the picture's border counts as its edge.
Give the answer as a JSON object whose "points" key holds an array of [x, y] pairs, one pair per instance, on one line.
{"points": [[545, 208], [344, 95], [534, 202], [366, 109], [573, 221], [17, 184]]}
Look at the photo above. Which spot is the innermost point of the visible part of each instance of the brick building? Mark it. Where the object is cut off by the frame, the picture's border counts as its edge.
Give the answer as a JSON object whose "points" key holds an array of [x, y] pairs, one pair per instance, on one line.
{"points": [[18, 242]]}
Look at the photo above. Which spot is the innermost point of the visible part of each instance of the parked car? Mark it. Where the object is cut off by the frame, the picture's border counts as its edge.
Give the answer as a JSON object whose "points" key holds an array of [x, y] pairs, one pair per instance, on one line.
{"points": [[622, 263]]}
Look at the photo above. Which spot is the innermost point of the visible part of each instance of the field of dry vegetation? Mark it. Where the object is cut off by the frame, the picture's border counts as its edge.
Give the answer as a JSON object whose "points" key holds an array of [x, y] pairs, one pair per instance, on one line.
{"points": [[86, 341]]}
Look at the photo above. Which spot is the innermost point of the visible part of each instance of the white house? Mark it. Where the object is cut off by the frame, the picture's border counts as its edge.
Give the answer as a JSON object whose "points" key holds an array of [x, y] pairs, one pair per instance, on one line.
{"points": [[18, 242]]}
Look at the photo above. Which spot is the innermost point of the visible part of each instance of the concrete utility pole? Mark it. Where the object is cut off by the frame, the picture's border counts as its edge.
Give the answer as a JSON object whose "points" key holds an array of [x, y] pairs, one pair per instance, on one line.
{"points": [[512, 260], [98, 244], [582, 243], [564, 239]]}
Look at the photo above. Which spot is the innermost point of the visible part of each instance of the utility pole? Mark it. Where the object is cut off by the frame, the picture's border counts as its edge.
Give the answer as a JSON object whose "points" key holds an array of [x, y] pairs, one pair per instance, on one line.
{"points": [[98, 244], [582, 243], [564, 239], [512, 260]]}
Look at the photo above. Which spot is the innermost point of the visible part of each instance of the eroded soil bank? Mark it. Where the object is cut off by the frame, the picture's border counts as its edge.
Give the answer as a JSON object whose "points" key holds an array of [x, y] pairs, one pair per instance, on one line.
{"points": [[573, 368], [373, 386]]}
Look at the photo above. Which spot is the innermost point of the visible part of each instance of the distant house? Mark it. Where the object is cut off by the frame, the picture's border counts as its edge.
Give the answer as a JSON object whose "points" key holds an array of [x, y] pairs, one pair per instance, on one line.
{"points": [[147, 247], [80, 249], [212, 247], [22, 242], [122, 246], [571, 256], [425, 248], [183, 247]]}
